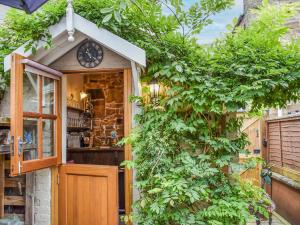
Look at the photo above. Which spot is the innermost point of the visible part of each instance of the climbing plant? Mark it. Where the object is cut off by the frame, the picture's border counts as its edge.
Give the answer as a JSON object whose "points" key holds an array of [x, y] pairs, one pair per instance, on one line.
{"points": [[185, 143]]}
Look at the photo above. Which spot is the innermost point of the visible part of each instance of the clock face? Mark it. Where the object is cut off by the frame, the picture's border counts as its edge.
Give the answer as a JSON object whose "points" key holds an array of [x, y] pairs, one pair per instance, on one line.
{"points": [[90, 54]]}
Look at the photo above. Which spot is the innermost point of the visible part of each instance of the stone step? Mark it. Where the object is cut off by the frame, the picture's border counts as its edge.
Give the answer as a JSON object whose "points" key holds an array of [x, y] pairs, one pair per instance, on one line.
{"points": [[10, 222]]}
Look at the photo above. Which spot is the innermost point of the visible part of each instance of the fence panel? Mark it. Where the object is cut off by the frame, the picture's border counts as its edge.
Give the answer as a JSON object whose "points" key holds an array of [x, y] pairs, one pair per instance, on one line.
{"points": [[284, 142]]}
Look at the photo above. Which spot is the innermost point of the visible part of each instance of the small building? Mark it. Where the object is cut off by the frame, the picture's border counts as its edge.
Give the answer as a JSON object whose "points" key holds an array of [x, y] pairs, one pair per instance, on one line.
{"points": [[68, 109]]}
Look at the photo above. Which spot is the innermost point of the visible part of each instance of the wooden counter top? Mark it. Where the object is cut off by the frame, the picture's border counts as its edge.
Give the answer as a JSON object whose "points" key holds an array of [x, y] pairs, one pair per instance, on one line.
{"points": [[96, 149], [98, 156]]}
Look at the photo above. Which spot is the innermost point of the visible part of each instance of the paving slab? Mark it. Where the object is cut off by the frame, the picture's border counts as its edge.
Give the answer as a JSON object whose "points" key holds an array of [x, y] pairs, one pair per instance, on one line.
{"points": [[276, 221]]}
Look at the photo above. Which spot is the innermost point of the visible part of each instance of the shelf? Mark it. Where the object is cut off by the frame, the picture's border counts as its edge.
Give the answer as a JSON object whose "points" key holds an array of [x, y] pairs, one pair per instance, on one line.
{"points": [[4, 125], [75, 109], [4, 149], [77, 129], [14, 200]]}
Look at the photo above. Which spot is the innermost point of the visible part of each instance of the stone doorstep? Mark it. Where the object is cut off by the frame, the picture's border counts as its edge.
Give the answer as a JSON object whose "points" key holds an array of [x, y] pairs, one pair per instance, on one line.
{"points": [[10, 222]]}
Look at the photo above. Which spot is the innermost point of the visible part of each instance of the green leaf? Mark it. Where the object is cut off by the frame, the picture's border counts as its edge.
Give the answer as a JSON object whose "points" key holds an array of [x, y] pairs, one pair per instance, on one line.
{"points": [[154, 190], [106, 10], [107, 18], [117, 16]]}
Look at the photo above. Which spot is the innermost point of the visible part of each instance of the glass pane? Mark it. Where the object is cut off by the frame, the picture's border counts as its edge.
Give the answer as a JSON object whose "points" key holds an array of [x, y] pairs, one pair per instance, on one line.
{"points": [[48, 138], [30, 92], [30, 139], [48, 95]]}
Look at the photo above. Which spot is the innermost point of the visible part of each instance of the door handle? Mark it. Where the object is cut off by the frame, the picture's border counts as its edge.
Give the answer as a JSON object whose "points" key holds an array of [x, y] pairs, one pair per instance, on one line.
{"points": [[20, 145], [20, 149]]}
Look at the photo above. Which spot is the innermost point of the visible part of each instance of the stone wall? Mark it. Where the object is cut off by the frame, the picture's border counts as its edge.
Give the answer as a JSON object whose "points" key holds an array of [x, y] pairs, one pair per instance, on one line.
{"points": [[74, 86], [106, 91], [249, 16], [294, 25], [248, 6], [42, 197], [38, 197]]}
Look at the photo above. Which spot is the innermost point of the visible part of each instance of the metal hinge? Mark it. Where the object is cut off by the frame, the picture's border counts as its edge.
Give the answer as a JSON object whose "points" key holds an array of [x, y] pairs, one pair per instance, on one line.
{"points": [[57, 178]]}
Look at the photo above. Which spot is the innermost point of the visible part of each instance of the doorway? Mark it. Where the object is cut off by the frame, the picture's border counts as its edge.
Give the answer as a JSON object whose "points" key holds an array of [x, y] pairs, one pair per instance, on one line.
{"points": [[96, 122]]}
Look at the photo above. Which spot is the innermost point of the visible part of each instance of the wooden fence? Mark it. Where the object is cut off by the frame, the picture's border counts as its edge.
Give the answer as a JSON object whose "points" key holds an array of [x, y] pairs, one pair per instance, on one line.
{"points": [[252, 175], [254, 128], [283, 137]]}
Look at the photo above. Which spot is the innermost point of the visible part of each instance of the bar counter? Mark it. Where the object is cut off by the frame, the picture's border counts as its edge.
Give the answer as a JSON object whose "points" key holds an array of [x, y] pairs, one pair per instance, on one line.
{"points": [[96, 155]]}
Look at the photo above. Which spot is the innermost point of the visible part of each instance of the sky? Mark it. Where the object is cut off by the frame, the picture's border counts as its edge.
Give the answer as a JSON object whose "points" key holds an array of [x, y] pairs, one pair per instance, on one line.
{"points": [[211, 32], [221, 20]]}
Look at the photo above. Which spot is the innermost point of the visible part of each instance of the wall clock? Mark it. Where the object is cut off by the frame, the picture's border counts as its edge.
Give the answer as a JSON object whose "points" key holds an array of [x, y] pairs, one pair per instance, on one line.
{"points": [[90, 54]]}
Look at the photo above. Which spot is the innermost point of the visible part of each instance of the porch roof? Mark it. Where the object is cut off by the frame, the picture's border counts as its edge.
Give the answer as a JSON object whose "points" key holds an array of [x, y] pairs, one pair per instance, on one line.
{"points": [[83, 29]]}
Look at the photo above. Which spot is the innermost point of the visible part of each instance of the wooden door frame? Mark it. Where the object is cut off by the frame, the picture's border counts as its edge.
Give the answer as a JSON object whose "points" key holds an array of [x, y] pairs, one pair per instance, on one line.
{"points": [[128, 176]]}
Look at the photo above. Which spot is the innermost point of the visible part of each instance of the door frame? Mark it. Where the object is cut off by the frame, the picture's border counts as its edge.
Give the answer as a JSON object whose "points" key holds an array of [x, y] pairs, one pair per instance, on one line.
{"points": [[128, 176]]}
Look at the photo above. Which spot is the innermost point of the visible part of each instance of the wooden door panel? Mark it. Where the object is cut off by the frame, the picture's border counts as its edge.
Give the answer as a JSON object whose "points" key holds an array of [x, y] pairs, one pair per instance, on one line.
{"points": [[88, 194]]}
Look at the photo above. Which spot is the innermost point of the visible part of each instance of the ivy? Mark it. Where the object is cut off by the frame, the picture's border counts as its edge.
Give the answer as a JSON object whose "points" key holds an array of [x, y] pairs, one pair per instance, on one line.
{"points": [[183, 143]]}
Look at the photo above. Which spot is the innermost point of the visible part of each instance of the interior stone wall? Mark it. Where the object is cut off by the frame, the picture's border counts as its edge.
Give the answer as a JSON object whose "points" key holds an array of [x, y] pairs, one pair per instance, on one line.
{"points": [[108, 106], [74, 86]]}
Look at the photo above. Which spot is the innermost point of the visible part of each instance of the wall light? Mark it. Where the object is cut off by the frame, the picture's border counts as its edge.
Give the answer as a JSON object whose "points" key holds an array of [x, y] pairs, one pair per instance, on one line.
{"points": [[154, 90], [83, 95]]}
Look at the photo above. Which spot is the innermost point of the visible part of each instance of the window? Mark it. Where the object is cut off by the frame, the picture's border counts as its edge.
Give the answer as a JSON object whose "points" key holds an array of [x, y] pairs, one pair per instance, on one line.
{"points": [[36, 123]]}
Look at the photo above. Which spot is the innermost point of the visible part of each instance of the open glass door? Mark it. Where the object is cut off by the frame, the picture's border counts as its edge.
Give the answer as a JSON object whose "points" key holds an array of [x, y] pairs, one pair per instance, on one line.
{"points": [[35, 116]]}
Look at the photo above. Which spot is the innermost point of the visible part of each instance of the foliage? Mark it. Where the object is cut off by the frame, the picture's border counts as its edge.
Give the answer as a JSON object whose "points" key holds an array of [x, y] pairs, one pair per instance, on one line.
{"points": [[18, 29], [183, 144]]}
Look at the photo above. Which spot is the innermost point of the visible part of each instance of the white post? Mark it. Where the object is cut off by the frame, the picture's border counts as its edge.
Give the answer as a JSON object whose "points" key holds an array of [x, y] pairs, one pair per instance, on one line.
{"points": [[70, 21], [280, 112], [64, 119]]}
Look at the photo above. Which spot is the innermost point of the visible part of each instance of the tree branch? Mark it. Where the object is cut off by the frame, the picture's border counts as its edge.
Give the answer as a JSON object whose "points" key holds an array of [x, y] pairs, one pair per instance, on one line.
{"points": [[176, 17]]}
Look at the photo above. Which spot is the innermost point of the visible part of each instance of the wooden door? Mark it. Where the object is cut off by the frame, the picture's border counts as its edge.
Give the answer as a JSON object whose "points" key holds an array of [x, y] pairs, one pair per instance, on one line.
{"points": [[35, 116], [88, 194]]}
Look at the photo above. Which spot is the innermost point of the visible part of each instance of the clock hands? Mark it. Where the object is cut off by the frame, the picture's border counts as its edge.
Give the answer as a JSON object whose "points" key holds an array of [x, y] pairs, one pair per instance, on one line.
{"points": [[88, 53]]}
